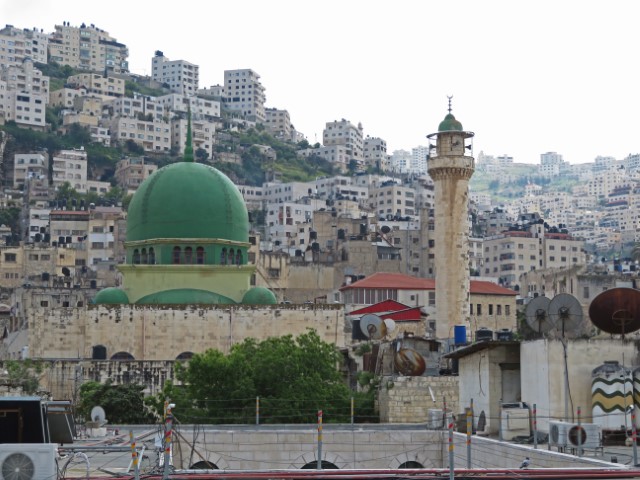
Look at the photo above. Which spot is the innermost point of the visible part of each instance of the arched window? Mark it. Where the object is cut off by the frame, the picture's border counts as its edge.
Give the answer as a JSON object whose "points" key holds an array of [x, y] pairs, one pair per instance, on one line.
{"points": [[98, 352], [185, 356], [411, 464], [239, 257], [200, 255], [188, 255], [136, 257], [143, 257], [223, 257], [152, 256], [232, 256], [176, 255], [122, 356], [326, 465], [204, 465]]}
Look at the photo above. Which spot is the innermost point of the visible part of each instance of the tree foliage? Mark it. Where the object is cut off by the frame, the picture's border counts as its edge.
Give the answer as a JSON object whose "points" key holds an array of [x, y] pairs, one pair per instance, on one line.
{"points": [[22, 374], [293, 378], [122, 404]]}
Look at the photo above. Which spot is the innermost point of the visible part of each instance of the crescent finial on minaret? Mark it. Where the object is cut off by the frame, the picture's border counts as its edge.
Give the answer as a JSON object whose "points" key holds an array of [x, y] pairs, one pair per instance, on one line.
{"points": [[450, 97]]}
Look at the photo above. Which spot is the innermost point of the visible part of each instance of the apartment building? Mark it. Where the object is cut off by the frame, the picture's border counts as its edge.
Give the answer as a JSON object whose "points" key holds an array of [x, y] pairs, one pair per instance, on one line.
{"points": [[24, 93], [375, 153], [87, 48], [153, 136], [391, 200], [101, 134], [65, 97], [550, 164], [203, 135], [288, 224], [604, 182], [347, 135], [181, 76], [278, 123], [287, 192], [131, 172], [401, 161], [29, 165], [340, 187], [532, 247], [199, 108], [70, 166], [107, 87], [86, 111], [140, 106], [244, 95], [102, 235], [335, 154], [38, 225], [25, 265], [253, 196], [17, 44]]}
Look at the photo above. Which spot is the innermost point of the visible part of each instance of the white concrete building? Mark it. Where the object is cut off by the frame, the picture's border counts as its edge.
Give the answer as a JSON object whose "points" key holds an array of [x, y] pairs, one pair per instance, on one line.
{"points": [[393, 201], [29, 165], [108, 87], [140, 106], [287, 192], [152, 136], [201, 108], [38, 223], [278, 123], [345, 134], [401, 161], [375, 153], [203, 135], [17, 44], [550, 164], [24, 94], [70, 166], [181, 76], [244, 94], [131, 172], [335, 154]]}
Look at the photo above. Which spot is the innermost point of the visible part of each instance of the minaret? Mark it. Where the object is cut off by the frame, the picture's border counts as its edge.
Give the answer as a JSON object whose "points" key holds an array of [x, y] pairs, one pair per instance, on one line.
{"points": [[188, 148], [451, 168]]}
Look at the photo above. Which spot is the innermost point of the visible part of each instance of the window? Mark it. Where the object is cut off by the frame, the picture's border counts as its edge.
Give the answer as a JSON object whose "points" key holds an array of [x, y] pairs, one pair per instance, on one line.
{"points": [[585, 292], [471, 309], [432, 299], [479, 309], [507, 310], [152, 256], [223, 257], [188, 255], [490, 309], [10, 257], [143, 257], [136, 257], [498, 309], [200, 256], [176, 255]]}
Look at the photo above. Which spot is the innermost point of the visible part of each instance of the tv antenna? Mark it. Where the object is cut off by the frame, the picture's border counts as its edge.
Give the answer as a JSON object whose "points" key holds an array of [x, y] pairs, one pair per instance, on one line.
{"points": [[373, 327], [565, 313], [616, 311]]}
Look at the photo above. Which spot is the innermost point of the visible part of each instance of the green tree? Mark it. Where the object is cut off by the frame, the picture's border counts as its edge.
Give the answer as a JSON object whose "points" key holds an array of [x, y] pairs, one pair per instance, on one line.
{"points": [[22, 374], [201, 154], [123, 404], [10, 216], [294, 378]]}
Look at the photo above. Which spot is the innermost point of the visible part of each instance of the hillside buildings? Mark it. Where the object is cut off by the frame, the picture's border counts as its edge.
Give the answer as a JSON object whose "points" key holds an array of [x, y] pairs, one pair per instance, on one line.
{"points": [[244, 95], [181, 76]]}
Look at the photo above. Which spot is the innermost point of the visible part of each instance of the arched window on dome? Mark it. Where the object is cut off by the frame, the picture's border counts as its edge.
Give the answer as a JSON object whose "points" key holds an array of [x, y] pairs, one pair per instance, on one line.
{"points": [[200, 256], [223, 257], [144, 259], [188, 255], [176, 255], [152, 256], [136, 257], [239, 257], [122, 356], [232, 256]]}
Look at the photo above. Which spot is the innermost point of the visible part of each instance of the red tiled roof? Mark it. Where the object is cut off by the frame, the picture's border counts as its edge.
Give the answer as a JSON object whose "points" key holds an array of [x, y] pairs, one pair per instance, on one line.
{"points": [[399, 281], [383, 306], [411, 314]]}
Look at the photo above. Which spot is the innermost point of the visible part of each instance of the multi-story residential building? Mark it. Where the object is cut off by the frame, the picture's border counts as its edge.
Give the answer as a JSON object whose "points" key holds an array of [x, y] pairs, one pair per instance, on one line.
{"points": [[87, 111], [98, 187], [69, 227], [287, 192], [17, 44], [203, 135], [70, 166], [38, 225], [244, 94], [107, 87], [391, 200], [65, 97], [375, 154], [140, 106], [278, 123], [419, 157], [24, 93], [345, 134], [87, 48], [180, 76], [131, 172], [603, 164], [101, 134], [153, 136], [102, 235], [340, 187], [401, 161], [334, 154], [34, 264], [253, 196], [530, 247], [604, 182], [200, 108], [29, 165], [288, 224], [550, 164]]}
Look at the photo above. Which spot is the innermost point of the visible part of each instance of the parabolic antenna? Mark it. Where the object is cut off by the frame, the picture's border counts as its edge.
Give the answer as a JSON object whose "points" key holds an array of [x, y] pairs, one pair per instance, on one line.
{"points": [[98, 415], [565, 312], [373, 326], [390, 324], [616, 310], [409, 362], [537, 315]]}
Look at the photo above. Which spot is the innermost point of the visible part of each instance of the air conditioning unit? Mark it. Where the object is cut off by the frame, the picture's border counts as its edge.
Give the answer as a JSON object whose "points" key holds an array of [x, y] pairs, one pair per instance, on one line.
{"points": [[572, 435], [28, 461]]}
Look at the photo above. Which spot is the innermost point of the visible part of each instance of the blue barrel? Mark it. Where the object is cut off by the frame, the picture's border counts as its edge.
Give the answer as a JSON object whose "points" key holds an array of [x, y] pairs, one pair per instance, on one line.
{"points": [[459, 334]]}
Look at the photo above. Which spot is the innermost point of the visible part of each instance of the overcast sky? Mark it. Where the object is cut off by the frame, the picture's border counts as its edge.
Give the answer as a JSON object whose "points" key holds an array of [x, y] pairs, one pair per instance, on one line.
{"points": [[526, 76]]}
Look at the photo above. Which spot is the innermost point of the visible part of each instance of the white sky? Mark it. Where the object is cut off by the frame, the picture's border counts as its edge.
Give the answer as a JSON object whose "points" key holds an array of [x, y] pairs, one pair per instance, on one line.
{"points": [[527, 76]]}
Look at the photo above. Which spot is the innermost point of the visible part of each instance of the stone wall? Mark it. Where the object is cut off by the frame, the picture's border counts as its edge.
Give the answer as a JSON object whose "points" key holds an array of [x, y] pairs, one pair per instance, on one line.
{"points": [[408, 399]]}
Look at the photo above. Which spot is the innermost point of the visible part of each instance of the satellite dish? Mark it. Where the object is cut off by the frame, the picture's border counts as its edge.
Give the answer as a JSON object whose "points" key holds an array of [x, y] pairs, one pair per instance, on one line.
{"points": [[373, 327], [409, 362], [565, 312], [390, 324], [537, 315], [616, 311], [98, 416], [385, 229]]}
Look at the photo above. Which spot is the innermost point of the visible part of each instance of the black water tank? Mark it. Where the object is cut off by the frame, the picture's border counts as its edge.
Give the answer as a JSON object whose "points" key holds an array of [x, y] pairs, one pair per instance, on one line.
{"points": [[47, 238], [341, 234], [504, 334], [45, 276], [315, 246], [484, 334], [313, 235], [38, 237], [94, 284]]}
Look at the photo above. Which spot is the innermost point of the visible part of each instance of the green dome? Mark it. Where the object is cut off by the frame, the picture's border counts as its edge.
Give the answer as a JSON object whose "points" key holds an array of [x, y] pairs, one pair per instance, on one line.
{"points": [[450, 124], [111, 296], [185, 296], [259, 296], [187, 200]]}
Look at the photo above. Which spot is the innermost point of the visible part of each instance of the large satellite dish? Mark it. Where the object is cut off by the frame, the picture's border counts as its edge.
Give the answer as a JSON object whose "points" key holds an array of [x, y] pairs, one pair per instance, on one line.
{"points": [[98, 415], [537, 315], [565, 312], [616, 311], [373, 327]]}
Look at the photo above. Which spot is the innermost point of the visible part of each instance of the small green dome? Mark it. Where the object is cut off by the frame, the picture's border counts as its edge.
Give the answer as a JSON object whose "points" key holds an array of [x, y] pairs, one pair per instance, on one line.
{"points": [[450, 124], [187, 200], [111, 296], [259, 296], [185, 296]]}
